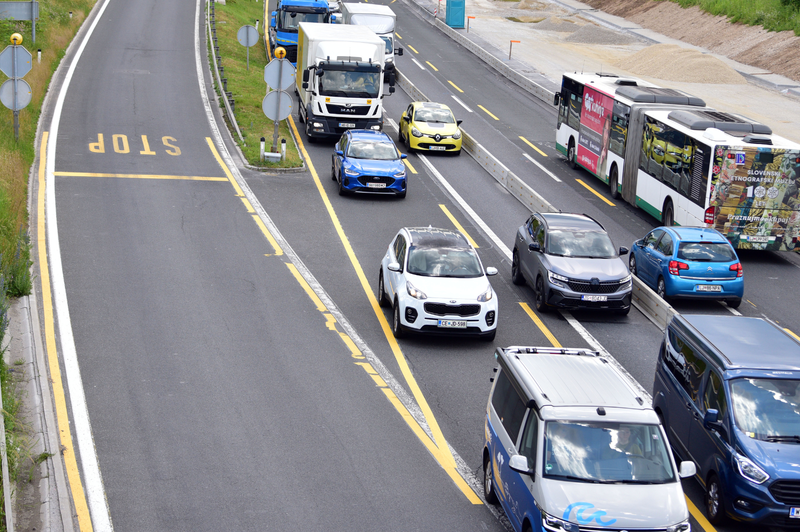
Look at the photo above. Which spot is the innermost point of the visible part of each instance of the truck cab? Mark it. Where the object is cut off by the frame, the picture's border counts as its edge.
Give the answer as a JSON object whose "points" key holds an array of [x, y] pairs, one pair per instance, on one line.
{"points": [[286, 20], [379, 18]]}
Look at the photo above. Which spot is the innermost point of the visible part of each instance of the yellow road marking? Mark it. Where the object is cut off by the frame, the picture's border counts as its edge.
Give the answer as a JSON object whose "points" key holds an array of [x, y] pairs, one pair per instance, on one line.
{"points": [[59, 398], [311, 294], [698, 515], [529, 311], [272, 241], [413, 49], [526, 141], [793, 334], [593, 191], [446, 458], [485, 110], [431, 65], [751, 303], [398, 36], [454, 85], [408, 164], [458, 225], [141, 176], [225, 169], [247, 205]]}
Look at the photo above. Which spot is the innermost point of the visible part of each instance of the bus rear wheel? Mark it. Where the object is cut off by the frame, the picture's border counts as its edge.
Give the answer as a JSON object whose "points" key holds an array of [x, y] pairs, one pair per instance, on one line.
{"points": [[613, 183], [668, 215]]}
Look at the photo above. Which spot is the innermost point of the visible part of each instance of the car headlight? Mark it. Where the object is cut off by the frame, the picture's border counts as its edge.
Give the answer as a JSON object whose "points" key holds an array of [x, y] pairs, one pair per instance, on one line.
{"points": [[558, 280], [749, 470], [349, 172], [416, 132], [486, 296], [554, 523], [414, 292], [680, 527], [399, 175], [457, 134], [625, 279]]}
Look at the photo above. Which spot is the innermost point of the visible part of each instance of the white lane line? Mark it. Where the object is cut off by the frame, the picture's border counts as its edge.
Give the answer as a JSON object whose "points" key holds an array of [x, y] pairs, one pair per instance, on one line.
{"points": [[464, 205], [543, 169], [461, 103], [92, 478], [418, 64]]}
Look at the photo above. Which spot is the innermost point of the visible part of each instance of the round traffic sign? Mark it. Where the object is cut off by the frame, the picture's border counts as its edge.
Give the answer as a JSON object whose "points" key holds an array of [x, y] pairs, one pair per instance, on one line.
{"points": [[24, 94], [279, 74], [277, 105], [247, 36]]}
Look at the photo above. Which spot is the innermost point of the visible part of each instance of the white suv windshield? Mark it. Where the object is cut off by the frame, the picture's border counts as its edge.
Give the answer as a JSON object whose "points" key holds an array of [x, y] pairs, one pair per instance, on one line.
{"points": [[767, 409], [606, 453], [444, 262]]}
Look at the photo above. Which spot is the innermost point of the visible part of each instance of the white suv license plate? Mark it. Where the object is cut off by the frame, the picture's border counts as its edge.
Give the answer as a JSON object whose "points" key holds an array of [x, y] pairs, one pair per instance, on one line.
{"points": [[594, 298], [376, 185], [453, 324], [437, 148], [709, 288], [346, 124], [794, 513]]}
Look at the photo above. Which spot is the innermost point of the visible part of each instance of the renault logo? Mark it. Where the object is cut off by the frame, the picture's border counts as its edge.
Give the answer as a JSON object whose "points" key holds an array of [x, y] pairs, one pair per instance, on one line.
{"points": [[438, 137]]}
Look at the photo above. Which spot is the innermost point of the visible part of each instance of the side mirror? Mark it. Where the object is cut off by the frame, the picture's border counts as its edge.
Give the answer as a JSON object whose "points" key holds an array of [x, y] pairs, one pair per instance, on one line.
{"points": [[399, 51], [557, 98], [711, 420], [519, 464], [687, 469], [534, 246], [334, 18], [305, 78], [623, 250], [340, 153], [393, 267], [403, 156], [458, 122], [319, 72], [491, 270]]}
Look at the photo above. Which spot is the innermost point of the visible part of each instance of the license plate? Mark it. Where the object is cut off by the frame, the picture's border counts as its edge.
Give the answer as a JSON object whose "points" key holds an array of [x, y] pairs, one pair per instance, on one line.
{"points": [[794, 513], [758, 239], [346, 124], [437, 148], [376, 185], [594, 298], [709, 288], [453, 324]]}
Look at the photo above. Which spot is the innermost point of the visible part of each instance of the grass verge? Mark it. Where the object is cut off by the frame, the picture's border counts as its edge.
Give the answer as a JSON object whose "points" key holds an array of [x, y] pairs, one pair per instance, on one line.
{"points": [[247, 85], [773, 15]]}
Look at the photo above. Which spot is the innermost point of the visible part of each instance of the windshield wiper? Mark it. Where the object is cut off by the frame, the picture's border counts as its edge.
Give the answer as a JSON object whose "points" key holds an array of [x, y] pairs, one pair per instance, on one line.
{"points": [[782, 439], [581, 479]]}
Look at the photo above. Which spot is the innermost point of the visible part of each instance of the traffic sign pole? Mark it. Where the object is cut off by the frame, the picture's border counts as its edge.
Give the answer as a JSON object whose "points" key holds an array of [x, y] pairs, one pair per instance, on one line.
{"points": [[277, 111]]}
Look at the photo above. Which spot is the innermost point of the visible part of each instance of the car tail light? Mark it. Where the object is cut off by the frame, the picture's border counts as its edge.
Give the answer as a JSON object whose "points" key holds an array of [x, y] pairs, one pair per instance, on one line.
{"points": [[709, 216], [737, 268], [675, 267]]}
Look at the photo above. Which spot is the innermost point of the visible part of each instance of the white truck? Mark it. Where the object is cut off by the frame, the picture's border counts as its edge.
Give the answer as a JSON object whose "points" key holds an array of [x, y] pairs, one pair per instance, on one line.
{"points": [[340, 79], [379, 18]]}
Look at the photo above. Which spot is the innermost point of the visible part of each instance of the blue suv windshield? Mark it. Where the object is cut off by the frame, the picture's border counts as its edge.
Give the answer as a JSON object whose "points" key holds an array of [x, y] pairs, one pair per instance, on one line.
{"points": [[606, 453], [767, 409]]}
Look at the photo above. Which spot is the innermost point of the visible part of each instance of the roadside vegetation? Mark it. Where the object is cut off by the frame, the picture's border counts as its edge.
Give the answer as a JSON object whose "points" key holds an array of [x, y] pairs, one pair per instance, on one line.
{"points": [[773, 15], [59, 21], [247, 86]]}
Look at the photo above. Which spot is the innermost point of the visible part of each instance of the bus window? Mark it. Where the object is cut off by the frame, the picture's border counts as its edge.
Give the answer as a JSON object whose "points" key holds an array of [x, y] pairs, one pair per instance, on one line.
{"points": [[619, 128], [674, 144], [575, 104]]}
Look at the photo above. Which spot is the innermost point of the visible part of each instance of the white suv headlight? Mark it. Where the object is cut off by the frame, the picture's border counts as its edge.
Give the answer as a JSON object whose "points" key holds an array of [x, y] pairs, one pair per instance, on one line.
{"points": [[749, 470], [680, 527], [486, 296], [414, 292]]}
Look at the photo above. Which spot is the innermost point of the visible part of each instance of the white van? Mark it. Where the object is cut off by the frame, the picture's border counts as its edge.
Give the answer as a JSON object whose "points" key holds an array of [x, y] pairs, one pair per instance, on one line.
{"points": [[571, 442]]}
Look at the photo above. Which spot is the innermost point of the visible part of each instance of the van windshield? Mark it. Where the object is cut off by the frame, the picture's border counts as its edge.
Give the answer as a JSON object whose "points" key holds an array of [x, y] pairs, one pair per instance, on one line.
{"points": [[606, 453], [767, 409]]}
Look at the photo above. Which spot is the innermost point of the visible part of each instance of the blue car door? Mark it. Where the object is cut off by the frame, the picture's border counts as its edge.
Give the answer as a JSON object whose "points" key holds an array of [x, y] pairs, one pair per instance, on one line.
{"points": [[648, 264]]}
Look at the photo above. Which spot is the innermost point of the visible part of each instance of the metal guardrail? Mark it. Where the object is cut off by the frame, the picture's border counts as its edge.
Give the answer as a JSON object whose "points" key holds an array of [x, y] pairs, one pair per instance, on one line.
{"points": [[228, 108]]}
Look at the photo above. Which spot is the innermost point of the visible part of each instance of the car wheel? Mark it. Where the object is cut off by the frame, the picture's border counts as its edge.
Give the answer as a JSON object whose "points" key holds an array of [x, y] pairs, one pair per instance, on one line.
{"points": [[488, 482], [613, 183], [661, 289], [632, 265], [516, 273], [397, 328], [571, 154], [333, 170], [668, 216], [382, 301], [734, 303], [541, 305], [715, 503], [342, 190], [408, 143]]}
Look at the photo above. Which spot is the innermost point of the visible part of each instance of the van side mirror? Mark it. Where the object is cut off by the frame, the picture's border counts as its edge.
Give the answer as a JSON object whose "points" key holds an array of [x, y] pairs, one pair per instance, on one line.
{"points": [[711, 420], [557, 99], [519, 464], [687, 469], [534, 246]]}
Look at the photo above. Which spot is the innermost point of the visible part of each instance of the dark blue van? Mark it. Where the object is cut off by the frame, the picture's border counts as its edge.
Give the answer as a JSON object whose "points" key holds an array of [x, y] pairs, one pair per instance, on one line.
{"points": [[728, 391]]}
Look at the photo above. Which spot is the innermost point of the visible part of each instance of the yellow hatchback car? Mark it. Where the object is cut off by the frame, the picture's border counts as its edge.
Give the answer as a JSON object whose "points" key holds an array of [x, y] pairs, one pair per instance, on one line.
{"points": [[430, 127]]}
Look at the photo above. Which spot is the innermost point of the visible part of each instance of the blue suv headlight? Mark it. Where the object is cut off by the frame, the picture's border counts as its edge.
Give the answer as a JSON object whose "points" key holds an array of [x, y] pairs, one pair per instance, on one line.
{"points": [[349, 172], [749, 470]]}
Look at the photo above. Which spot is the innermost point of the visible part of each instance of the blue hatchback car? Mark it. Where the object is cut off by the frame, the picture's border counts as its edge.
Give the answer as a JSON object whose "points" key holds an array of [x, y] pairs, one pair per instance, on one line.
{"points": [[368, 161], [727, 389], [688, 262]]}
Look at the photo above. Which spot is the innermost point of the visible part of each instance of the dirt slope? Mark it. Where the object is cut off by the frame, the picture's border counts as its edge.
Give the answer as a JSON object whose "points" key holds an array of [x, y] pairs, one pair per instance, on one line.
{"points": [[751, 45]]}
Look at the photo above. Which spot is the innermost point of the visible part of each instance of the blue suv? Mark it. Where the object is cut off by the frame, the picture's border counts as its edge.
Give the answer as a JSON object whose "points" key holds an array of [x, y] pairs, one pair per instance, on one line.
{"points": [[728, 391]]}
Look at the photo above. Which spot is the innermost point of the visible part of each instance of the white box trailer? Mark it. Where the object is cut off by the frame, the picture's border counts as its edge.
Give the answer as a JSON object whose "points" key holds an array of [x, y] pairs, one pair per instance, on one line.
{"points": [[340, 78], [379, 18]]}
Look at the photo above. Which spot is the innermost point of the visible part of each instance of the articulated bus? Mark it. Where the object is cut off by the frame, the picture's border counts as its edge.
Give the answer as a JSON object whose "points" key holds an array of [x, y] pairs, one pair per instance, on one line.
{"points": [[681, 161]]}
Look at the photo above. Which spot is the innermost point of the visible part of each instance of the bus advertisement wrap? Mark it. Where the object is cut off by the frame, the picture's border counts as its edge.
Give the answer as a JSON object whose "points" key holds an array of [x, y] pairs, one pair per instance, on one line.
{"points": [[755, 192], [595, 130]]}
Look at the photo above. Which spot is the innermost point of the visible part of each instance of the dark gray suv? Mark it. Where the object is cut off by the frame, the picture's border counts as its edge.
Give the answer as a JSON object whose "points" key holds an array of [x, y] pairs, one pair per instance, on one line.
{"points": [[571, 263]]}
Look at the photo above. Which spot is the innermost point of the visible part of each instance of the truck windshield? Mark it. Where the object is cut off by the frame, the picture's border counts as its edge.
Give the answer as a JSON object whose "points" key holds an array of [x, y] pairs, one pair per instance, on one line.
{"points": [[767, 409], [606, 453], [289, 21], [352, 83]]}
